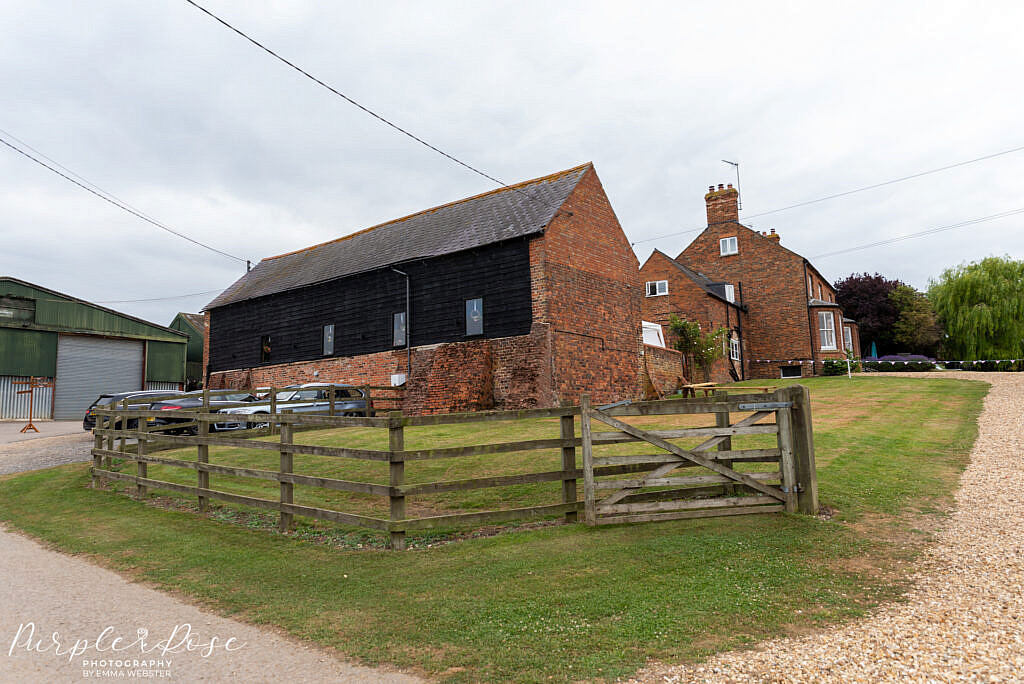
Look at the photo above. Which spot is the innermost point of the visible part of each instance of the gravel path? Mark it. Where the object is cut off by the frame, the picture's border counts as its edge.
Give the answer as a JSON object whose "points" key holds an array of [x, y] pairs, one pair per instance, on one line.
{"points": [[964, 619], [45, 452]]}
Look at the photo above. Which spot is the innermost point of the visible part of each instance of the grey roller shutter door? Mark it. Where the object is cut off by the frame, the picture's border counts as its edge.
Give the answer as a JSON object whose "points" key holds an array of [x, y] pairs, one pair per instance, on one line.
{"points": [[90, 366]]}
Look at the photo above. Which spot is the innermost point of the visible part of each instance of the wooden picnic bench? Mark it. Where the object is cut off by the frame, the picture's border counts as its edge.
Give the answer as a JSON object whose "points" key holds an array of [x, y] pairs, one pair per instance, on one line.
{"points": [[710, 387]]}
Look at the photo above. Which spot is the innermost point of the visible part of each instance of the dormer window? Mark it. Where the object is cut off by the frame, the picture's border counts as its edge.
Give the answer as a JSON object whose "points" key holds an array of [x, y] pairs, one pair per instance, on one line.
{"points": [[657, 287], [728, 245]]}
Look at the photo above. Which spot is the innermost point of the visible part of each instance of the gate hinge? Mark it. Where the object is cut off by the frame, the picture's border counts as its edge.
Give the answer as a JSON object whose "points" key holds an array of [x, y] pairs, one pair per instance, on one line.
{"points": [[797, 488]]}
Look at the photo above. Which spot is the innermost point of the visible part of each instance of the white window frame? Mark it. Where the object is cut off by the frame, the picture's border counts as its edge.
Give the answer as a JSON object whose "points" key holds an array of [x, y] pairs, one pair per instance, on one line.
{"points": [[730, 292], [827, 330], [810, 288], [729, 245], [660, 288], [819, 293], [734, 348], [655, 330], [848, 338]]}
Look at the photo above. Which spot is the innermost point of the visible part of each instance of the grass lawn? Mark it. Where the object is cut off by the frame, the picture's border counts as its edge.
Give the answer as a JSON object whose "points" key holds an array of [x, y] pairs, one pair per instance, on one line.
{"points": [[564, 602]]}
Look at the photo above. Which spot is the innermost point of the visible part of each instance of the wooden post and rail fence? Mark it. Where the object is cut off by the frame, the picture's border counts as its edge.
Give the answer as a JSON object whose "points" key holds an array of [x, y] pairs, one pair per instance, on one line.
{"points": [[652, 491]]}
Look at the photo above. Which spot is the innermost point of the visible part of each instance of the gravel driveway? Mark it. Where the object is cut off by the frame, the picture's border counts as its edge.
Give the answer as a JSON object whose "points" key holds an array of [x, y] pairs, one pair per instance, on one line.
{"points": [[45, 452], [964, 619]]}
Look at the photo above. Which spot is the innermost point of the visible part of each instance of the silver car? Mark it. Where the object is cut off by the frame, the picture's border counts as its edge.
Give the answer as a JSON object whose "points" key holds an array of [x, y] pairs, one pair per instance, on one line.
{"points": [[309, 398]]}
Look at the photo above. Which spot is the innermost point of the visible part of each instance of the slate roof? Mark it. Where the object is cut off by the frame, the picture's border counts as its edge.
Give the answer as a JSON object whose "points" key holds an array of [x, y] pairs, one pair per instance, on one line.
{"points": [[197, 321], [509, 212], [712, 287]]}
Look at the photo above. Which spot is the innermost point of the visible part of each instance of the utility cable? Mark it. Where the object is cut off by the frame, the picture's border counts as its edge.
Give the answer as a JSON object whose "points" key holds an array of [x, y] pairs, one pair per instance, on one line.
{"points": [[342, 95], [850, 192], [160, 299], [106, 197], [923, 233]]}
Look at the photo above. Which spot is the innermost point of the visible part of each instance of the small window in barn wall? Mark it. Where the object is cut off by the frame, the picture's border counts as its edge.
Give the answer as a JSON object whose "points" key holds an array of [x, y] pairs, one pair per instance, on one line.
{"points": [[328, 340], [734, 348], [847, 338], [656, 288], [265, 348], [398, 328], [789, 371], [474, 317], [730, 292], [827, 327], [728, 245]]}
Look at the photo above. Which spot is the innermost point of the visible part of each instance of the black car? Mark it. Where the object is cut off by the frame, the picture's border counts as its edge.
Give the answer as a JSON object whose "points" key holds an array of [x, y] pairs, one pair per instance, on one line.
{"points": [[194, 400], [105, 401]]}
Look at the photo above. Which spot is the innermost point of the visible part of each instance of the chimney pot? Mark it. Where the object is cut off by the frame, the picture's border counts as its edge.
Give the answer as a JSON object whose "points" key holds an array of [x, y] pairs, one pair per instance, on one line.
{"points": [[773, 231], [721, 187], [729, 185], [711, 188]]}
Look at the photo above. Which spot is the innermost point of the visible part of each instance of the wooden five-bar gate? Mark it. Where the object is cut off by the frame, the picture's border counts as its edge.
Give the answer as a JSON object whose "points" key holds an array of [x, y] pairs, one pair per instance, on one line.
{"points": [[657, 494]]}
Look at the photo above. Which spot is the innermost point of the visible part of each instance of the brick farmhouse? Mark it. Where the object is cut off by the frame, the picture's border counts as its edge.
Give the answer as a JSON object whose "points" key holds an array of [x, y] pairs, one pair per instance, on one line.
{"points": [[781, 313], [524, 296]]}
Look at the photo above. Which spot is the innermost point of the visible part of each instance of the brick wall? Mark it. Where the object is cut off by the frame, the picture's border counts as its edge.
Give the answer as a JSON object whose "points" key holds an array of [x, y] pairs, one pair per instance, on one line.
{"points": [[663, 368], [508, 372], [586, 288]]}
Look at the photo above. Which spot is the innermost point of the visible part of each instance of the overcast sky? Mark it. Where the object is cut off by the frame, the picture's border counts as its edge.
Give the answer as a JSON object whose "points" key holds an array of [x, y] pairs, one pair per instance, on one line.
{"points": [[187, 122]]}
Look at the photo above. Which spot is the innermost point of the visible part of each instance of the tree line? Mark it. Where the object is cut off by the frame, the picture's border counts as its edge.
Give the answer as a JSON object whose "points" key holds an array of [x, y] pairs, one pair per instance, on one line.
{"points": [[970, 312]]}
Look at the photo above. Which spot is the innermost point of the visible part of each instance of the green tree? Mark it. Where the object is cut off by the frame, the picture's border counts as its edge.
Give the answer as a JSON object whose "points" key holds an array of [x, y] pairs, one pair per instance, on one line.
{"points": [[702, 349], [916, 329], [981, 307]]}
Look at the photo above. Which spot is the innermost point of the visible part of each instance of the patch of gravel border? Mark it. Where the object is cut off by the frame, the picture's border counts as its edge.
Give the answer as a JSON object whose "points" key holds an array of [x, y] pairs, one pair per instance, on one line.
{"points": [[963, 620], [45, 452]]}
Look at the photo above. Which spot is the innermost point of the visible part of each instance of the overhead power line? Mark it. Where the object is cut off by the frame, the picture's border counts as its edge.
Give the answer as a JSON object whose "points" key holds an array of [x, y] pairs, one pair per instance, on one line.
{"points": [[107, 197], [161, 299], [343, 96], [923, 233], [849, 192]]}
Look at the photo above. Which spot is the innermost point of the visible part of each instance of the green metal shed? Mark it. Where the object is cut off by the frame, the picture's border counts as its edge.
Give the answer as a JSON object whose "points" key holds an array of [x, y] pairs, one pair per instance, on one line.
{"points": [[87, 349]]}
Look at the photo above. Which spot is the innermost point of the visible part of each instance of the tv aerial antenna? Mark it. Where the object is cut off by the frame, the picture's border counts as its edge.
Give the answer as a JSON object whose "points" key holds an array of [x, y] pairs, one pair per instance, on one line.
{"points": [[739, 193]]}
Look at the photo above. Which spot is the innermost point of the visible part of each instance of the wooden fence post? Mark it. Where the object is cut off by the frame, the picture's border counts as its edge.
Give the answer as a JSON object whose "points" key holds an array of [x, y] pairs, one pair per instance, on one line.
{"points": [[589, 496], [287, 488], [203, 453], [367, 401], [108, 423], [722, 419], [803, 449], [330, 400], [141, 467], [122, 444], [396, 468], [784, 438], [97, 443], [568, 431], [273, 408]]}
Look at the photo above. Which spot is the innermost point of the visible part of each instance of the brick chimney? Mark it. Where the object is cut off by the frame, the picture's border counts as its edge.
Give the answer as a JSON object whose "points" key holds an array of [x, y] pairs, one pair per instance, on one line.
{"points": [[774, 236], [723, 204]]}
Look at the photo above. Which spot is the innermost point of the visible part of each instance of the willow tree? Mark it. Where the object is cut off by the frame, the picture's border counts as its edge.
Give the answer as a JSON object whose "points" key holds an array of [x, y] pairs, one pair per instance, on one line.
{"points": [[981, 308]]}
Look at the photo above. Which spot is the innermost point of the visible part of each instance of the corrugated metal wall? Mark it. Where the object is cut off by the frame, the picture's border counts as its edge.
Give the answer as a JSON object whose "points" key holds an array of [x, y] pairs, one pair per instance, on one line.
{"points": [[150, 385], [15, 406]]}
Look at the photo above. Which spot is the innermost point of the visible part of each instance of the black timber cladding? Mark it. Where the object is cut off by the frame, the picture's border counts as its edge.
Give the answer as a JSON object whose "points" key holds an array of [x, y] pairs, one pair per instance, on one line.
{"points": [[362, 308], [504, 214]]}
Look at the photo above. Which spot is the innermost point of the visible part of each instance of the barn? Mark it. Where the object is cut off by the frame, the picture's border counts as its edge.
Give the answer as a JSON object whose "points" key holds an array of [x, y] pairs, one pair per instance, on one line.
{"points": [[84, 348], [527, 295]]}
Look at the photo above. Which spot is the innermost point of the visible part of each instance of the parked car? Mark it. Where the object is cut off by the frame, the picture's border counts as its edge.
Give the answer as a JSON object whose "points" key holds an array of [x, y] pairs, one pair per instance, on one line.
{"points": [[105, 400], [311, 398], [193, 400]]}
